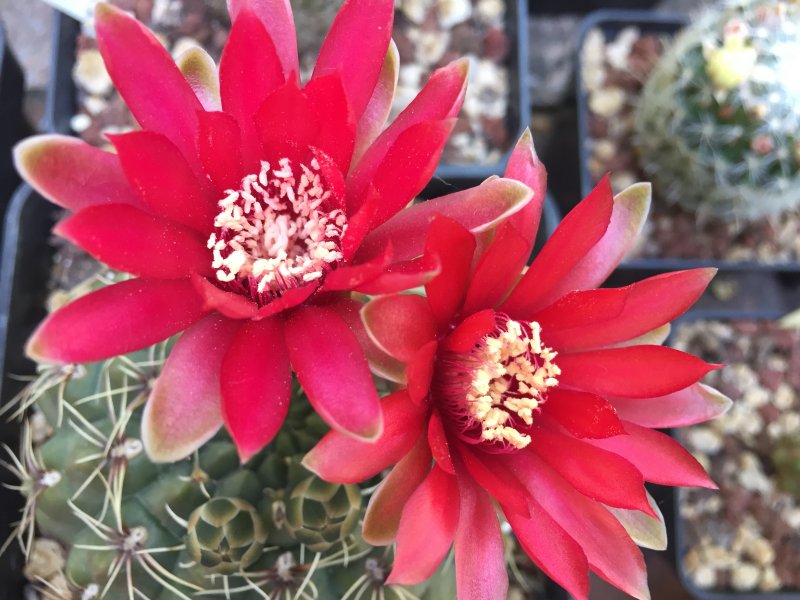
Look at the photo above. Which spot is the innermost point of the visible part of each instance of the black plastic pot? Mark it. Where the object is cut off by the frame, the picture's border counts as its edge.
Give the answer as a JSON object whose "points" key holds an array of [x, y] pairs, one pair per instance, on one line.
{"points": [[582, 7], [13, 126], [678, 540], [61, 103], [611, 22], [24, 273]]}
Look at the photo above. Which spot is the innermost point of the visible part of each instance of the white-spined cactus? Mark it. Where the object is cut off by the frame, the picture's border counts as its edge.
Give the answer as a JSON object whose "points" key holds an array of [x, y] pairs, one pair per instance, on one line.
{"points": [[718, 126]]}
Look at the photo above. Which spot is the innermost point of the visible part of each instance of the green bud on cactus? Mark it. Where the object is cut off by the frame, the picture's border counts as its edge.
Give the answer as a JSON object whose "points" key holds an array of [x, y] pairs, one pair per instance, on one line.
{"points": [[320, 514], [718, 121], [225, 535]]}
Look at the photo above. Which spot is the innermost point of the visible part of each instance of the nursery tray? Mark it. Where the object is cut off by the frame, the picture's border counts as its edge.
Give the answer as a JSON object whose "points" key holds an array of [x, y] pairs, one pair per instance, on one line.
{"points": [[611, 22], [25, 266], [61, 101]]}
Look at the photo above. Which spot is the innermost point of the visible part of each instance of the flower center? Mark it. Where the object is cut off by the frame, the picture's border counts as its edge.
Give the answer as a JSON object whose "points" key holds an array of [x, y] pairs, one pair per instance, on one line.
{"points": [[276, 232], [494, 390]]}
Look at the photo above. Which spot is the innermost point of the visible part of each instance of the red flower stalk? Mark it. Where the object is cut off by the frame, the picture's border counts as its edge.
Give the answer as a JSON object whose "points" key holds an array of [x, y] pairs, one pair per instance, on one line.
{"points": [[538, 392], [247, 208]]}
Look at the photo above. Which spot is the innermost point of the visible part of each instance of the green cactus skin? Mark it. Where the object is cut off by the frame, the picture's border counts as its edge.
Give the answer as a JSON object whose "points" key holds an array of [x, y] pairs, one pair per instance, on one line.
{"points": [[718, 124]]}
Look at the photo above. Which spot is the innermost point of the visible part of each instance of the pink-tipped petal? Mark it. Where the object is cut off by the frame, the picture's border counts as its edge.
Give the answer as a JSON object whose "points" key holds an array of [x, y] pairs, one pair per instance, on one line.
{"points": [[632, 372], [115, 320], [552, 549], [136, 242], [439, 100], [581, 229], [163, 179], [454, 246], [609, 550], [147, 78], [627, 220], [477, 209], [427, 528], [380, 104], [695, 404], [583, 415], [399, 324], [333, 371], [591, 471], [480, 556], [596, 318], [355, 48], [256, 385], [276, 17], [71, 173], [219, 147], [659, 458], [200, 72], [386, 504], [249, 71], [183, 411], [332, 457]]}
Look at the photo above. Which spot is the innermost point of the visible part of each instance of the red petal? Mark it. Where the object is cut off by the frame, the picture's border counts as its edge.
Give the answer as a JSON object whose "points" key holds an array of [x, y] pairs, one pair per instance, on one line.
{"points": [[427, 527], [524, 165], [386, 504], [333, 371], [419, 372], [133, 241], [577, 233], [498, 269], [399, 324], [627, 220], [609, 549], [477, 209], [337, 133], [439, 100], [440, 447], [287, 124], [183, 411], [493, 475], [403, 276], [552, 549], [470, 331], [219, 145], [147, 78], [380, 363], [379, 107], [332, 457], [480, 555], [257, 385], [602, 476], [454, 246], [408, 166], [161, 176], [583, 415], [595, 318], [233, 306], [71, 173], [289, 299], [249, 71], [349, 277], [115, 320], [694, 404], [632, 372], [659, 458], [276, 16], [356, 46]]}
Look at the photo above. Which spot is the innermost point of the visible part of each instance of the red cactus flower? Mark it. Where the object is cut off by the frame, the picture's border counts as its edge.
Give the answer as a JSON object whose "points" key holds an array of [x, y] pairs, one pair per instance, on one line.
{"points": [[538, 392], [247, 208]]}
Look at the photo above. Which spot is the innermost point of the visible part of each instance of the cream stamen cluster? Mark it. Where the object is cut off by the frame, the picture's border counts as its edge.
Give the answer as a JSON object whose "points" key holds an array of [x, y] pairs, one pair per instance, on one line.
{"points": [[513, 372], [276, 232]]}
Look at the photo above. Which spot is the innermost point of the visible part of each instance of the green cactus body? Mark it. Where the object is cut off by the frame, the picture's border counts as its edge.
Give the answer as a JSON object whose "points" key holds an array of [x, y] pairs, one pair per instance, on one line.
{"points": [[718, 125]]}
